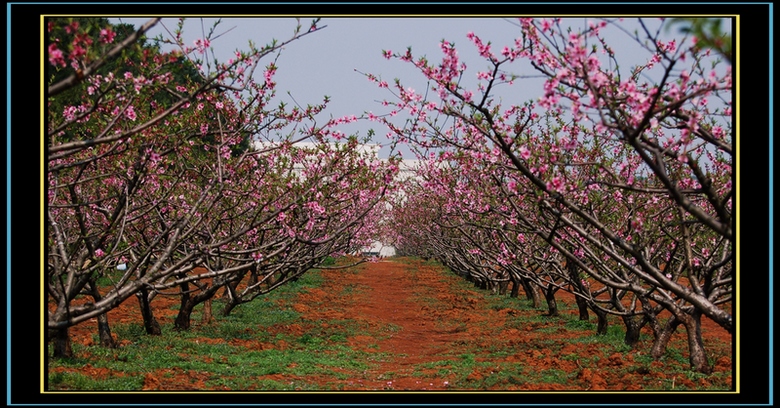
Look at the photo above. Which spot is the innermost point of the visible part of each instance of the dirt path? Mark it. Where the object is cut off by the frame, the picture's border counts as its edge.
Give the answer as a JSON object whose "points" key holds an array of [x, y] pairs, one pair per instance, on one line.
{"points": [[387, 299]]}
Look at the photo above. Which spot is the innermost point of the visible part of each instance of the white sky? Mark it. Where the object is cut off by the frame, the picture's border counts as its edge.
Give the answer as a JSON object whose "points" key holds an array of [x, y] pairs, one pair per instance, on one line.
{"points": [[324, 62]]}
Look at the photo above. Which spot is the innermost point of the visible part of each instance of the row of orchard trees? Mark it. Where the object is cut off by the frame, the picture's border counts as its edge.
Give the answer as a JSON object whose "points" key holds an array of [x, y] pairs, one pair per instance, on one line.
{"points": [[153, 186], [615, 185]]}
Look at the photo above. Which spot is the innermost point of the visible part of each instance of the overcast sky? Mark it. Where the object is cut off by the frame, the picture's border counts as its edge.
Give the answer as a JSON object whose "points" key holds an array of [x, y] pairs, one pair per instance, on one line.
{"points": [[324, 62]]}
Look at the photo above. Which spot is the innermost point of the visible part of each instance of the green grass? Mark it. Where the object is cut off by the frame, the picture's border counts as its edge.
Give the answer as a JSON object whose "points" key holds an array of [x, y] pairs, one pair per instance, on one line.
{"points": [[75, 381]]}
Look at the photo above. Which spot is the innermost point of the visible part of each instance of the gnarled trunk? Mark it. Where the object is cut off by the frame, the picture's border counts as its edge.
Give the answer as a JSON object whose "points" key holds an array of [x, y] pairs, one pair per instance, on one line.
{"points": [[229, 306], [696, 350], [104, 329], [579, 288], [182, 321], [231, 295], [663, 335], [582, 306], [692, 323], [150, 323], [531, 293], [650, 317], [602, 322], [62, 345], [552, 304], [634, 326], [503, 286], [207, 312], [515, 291], [188, 303]]}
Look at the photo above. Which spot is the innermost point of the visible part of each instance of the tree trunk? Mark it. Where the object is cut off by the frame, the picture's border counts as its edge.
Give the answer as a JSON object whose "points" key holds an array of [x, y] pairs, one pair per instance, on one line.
{"points": [[493, 286], [697, 353], [531, 293], [189, 301], [602, 322], [232, 284], [582, 304], [552, 304], [515, 291], [182, 321], [663, 336], [62, 346], [150, 323], [229, 306], [207, 312], [634, 326], [650, 317], [503, 285], [104, 329]]}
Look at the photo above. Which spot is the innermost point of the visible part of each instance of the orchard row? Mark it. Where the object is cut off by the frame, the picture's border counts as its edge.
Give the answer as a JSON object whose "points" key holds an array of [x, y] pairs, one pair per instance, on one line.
{"points": [[613, 184], [170, 173]]}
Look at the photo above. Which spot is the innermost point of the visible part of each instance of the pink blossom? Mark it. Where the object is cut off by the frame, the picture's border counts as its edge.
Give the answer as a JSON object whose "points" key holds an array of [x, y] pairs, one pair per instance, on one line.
{"points": [[107, 35], [72, 27], [556, 184], [202, 44], [507, 52], [315, 207], [130, 113], [55, 56], [268, 75], [525, 153], [70, 113], [78, 51], [574, 39], [99, 253]]}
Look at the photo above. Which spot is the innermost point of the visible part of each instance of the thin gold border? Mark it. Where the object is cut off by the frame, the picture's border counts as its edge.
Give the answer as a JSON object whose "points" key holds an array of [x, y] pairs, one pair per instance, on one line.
{"points": [[43, 348], [736, 160], [43, 194]]}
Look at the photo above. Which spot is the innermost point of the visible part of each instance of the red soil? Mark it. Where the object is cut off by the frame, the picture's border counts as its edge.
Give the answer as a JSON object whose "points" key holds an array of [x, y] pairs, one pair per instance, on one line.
{"points": [[385, 296]]}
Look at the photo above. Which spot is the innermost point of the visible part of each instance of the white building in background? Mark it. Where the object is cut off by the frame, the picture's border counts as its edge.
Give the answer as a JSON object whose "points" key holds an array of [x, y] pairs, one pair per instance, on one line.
{"points": [[363, 148], [407, 170], [379, 249]]}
